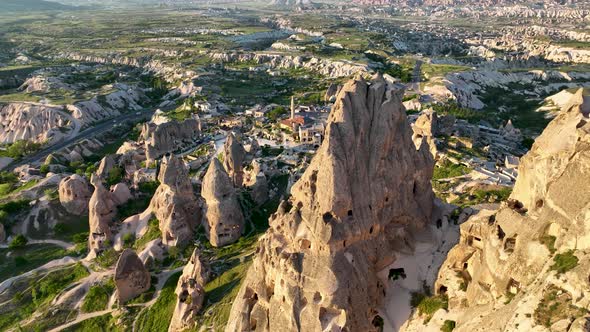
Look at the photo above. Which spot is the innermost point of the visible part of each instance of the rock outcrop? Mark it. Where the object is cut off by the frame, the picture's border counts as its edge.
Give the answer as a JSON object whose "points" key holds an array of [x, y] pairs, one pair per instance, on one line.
{"points": [[131, 276], [533, 253], [101, 211], [33, 122], [169, 136], [256, 181], [175, 204], [360, 199], [224, 221], [233, 159], [190, 293], [74, 194]]}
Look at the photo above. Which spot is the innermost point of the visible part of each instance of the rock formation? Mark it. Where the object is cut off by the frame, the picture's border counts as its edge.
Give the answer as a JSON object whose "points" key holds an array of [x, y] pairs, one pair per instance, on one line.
{"points": [[101, 211], [425, 129], [224, 221], [33, 122], [74, 194], [190, 293], [174, 203], [233, 158], [106, 165], [256, 180], [169, 136], [131, 276], [361, 197], [506, 270]]}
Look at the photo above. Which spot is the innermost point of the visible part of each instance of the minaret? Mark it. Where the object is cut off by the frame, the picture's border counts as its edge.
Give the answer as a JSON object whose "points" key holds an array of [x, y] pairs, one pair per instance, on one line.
{"points": [[292, 107]]}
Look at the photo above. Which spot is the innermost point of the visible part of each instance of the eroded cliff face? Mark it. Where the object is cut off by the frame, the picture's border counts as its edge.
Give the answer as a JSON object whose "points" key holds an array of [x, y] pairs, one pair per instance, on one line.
{"points": [[169, 136], [174, 203], [33, 122], [525, 266], [360, 199]]}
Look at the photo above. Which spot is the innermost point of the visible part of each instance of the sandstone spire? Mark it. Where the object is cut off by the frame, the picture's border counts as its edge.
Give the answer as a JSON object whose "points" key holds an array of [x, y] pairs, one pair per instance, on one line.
{"points": [[224, 221], [101, 211], [174, 203], [190, 293], [364, 192], [233, 158]]}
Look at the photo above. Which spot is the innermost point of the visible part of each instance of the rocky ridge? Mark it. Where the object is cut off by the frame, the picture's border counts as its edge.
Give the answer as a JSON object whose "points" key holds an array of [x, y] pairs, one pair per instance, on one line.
{"points": [[510, 264]]}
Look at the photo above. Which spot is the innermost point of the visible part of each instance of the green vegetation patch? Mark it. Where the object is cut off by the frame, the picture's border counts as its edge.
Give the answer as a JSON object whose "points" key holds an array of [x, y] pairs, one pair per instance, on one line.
{"points": [[40, 293], [158, 316], [549, 242], [448, 326], [556, 305], [447, 169], [27, 258], [428, 305], [153, 232], [564, 262], [98, 296]]}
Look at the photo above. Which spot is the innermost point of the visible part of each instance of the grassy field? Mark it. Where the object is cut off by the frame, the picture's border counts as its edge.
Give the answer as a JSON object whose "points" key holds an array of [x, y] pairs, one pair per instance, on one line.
{"points": [[27, 258], [157, 317]]}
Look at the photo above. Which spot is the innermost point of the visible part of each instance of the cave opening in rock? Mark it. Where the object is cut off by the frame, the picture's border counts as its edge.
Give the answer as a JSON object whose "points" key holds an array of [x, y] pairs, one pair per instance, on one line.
{"points": [[442, 289], [397, 273], [378, 322]]}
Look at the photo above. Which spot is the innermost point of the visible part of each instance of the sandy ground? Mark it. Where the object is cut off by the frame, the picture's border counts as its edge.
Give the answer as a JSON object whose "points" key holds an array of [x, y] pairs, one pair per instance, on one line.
{"points": [[421, 266]]}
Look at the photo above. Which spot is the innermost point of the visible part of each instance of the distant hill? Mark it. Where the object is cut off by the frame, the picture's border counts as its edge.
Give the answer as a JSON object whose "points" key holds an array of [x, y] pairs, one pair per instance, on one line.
{"points": [[30, 5]]}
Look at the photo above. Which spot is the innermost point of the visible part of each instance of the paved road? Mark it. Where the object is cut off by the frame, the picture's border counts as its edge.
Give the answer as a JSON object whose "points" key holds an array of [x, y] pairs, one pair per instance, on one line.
{"points": [[84, 134], [416, 76]]}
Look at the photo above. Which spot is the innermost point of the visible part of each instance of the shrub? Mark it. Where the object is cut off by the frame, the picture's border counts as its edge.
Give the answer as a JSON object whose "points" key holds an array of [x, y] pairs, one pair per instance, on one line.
{"points": [[549, 242], [128, 240], [18, 242], [44, 169], [148, 187], [564, 262], [448, 326], [115, 176]]}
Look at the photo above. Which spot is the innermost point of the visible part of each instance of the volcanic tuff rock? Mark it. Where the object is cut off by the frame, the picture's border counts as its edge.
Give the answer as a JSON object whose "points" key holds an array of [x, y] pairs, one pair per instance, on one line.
{"points": [[234, 154], [169, 136], [501, 276], [106, 165], [101, 211], [255, 179], [32, 122], [224, 221], [174, 203], [74, 194], [131, 276], [364, 192], [190, 292]]}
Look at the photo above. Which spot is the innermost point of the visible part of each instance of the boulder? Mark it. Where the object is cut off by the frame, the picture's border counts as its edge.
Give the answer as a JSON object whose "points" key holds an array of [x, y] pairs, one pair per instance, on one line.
{"points": [[174, 203], [131, 276], [190, 293], [224, 221], [121, 193], [74, 194], [363, 194], [233, 159]]}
